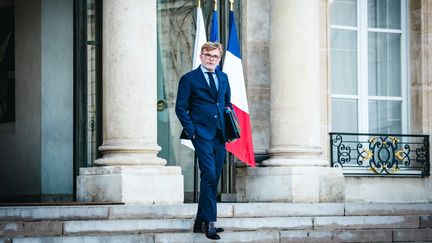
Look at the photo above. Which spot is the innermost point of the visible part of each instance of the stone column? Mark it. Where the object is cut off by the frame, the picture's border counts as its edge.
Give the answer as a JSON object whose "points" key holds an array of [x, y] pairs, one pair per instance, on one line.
{"points": [[421, 71], [295, 84], [296, 164], [130, 170]]}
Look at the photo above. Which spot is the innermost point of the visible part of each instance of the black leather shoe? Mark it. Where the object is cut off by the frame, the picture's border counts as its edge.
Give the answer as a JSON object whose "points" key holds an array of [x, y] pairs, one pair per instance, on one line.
{"points": [[199, 227], [210, 231]]}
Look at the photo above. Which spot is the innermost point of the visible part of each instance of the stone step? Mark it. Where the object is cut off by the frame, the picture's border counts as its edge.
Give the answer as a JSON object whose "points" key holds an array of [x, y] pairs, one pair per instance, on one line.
{"points": [[289, 221], [225, 210], [243, 224], [144, 226], [182, 225], [264, 236], [388, 208]]}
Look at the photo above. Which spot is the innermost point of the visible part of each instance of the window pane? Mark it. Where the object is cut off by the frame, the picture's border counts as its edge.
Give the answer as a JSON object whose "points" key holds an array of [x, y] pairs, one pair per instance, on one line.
{"points": [[385, 116], [384, 14], [344, 12], [384, 60], [344, 61], [344, 115]]}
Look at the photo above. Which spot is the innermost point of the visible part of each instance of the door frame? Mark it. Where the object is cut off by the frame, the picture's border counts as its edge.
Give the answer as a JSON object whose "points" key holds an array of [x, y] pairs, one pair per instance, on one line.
{"points": [[80, 113]]}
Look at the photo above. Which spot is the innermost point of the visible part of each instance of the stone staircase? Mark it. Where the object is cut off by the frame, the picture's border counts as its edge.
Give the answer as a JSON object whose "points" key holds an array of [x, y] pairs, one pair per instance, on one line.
{"points": [[243, 222]]}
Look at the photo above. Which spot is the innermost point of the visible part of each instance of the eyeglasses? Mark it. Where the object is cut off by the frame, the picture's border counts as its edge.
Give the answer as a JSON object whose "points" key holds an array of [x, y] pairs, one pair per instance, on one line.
{"points": [[210, 56]]}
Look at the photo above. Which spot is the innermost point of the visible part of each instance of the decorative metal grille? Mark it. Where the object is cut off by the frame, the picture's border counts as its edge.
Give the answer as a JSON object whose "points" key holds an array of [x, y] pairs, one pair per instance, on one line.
{"points": [[380, 154]]}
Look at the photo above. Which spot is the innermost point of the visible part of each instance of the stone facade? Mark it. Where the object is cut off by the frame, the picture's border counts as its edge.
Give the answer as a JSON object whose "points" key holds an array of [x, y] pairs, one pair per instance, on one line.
{"points": [[277, 130], [286, 60], [285, 49]]}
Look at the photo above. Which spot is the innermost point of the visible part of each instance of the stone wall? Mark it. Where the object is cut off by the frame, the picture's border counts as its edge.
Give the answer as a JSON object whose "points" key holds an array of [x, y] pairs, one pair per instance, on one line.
{"points": [[420, 80], [256, 66]]}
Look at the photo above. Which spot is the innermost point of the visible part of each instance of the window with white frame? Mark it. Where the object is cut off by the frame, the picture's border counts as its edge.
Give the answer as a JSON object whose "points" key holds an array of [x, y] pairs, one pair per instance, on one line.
{"points": [[369, 66]]}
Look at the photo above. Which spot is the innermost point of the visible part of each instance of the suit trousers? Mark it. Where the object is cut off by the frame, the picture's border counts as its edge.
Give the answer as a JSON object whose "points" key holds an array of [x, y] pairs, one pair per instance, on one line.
{"points": [[211, 157]]}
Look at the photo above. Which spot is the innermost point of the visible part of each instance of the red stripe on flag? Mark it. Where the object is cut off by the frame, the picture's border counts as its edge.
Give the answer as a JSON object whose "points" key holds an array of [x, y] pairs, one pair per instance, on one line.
{"points": [[242, 148]]}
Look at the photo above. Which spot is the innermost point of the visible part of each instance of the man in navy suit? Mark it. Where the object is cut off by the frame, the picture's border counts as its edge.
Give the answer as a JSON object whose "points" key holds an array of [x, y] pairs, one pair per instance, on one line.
{"points": [[202, 96]]}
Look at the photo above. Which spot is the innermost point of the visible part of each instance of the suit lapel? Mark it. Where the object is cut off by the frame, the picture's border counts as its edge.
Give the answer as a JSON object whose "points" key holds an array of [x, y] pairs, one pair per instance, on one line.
{"points": [[199, 75], [202, 80]]}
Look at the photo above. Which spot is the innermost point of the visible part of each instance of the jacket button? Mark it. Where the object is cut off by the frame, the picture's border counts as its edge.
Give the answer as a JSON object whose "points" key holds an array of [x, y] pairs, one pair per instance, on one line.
{"points": [[215, 116], [217, 103]]}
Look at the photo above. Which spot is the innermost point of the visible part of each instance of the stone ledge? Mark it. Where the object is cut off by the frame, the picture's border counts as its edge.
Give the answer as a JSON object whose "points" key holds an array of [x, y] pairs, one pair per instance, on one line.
{"points": [[264, 236], [130, 169], [11, 228], [53, 213], [186, 210], [336, 236], [257, 224], [179, 211], [182, 225], [287, 209], [43, 228], [126, 226], [388, 209], [237, 237], [413, 235], [76, 239], [367, 222]]}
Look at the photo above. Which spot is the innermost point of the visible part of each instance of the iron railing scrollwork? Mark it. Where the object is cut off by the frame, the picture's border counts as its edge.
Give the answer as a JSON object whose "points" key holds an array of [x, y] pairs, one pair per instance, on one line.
{"points": [[380, 154]]}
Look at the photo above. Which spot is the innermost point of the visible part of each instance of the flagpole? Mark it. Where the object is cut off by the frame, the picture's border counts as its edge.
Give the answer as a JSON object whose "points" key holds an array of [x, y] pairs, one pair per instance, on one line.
{"points": [[231, 5], [215, 5], [199, 3]]}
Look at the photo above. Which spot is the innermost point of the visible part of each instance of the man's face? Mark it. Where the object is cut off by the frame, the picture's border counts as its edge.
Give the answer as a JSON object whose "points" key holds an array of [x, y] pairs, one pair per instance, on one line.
{"points": [[210, 59]]}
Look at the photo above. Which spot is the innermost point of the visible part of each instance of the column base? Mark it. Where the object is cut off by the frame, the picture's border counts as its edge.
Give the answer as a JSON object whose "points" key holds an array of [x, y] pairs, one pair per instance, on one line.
{"points": [[282, 161], [131, 184], [297, 184], [130, 151]]}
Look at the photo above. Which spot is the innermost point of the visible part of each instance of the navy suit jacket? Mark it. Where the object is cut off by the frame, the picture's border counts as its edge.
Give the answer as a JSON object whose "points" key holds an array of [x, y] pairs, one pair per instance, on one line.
{"points": [[197, 109]]}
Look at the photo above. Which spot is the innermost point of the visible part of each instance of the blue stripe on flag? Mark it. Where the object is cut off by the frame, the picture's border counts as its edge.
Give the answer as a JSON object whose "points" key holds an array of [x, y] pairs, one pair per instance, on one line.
{"points": [[214, 28], [233, 44]]}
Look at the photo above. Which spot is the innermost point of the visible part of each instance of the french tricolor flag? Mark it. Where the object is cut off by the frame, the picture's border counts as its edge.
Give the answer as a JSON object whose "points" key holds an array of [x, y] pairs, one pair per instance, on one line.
{"points": [[242, 148]]}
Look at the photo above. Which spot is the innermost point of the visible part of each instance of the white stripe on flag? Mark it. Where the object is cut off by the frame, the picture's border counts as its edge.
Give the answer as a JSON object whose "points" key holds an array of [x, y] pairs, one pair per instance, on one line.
{"points": [[233, 67], [200, 39]]}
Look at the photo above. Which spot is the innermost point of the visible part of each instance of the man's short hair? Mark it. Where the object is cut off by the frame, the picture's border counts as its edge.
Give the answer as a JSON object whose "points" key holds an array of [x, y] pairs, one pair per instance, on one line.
{"points": [[210, 46]]}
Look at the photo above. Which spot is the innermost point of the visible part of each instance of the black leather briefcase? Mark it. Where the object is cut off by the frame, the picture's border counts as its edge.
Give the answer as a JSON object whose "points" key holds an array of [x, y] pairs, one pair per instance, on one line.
{"points": [[232, 125]]}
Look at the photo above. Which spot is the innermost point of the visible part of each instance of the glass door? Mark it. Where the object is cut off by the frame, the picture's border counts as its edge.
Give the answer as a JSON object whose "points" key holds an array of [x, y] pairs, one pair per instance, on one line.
{"points": [[87, 83], [176, 33]]}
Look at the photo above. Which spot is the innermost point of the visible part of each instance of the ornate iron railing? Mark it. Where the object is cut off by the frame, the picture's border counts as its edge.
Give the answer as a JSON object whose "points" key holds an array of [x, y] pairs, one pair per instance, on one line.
{"points": [[380, 154]]}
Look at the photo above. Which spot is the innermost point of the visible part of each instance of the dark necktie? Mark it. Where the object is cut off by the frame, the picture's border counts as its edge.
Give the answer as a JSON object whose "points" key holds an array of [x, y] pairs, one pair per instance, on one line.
{"points": [[212, 85]]}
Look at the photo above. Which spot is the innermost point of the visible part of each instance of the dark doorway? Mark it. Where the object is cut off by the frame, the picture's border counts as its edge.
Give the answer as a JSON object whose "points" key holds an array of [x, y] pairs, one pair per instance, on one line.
{"points": [[87, 83]]}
